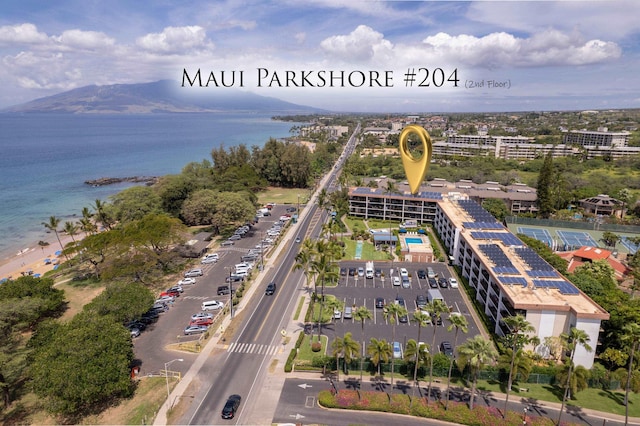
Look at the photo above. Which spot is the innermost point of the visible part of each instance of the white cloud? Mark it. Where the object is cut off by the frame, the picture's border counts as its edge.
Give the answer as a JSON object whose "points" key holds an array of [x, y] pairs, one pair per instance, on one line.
{"points": [[361, 44], [234, 23], [89, 40], [21, 33], [176, 40], [549, 48]]}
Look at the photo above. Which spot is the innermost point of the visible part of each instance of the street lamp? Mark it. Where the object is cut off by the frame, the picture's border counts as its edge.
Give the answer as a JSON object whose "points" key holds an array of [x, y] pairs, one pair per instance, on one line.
{"points": [[230, 293], [524, 416], [166, 372]]}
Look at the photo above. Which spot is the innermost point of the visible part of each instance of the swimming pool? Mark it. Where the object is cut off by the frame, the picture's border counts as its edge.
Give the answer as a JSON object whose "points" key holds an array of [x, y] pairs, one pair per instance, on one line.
{"points": [[412, 240]]}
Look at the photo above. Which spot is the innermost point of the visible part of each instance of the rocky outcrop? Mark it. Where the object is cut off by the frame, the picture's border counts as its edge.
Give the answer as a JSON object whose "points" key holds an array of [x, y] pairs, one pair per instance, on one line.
{"points": [[149, 180]]}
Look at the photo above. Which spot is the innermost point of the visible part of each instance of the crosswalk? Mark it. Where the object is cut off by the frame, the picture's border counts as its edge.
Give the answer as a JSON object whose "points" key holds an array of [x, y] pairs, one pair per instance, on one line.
{"points": [[252, 348]]}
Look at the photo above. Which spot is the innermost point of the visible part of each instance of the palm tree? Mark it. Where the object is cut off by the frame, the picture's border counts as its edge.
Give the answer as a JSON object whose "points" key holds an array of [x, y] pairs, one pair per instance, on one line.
{"points": [[322, 266], [304, 259], [361, 314], [86, 223], [459, 323], [102, 214], [71, 229], [572, 341], [347, 347], [420, 318], [52, 225], [418, 353], [379, 351], [477, 352], [391, 313], [578, 381], [436, 308], [516, 340], [520, 363], [631, 337]]}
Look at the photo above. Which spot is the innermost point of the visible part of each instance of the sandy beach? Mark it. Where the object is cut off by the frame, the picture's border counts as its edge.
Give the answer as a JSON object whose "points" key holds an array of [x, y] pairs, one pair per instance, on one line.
{"points": [[33, 258]]}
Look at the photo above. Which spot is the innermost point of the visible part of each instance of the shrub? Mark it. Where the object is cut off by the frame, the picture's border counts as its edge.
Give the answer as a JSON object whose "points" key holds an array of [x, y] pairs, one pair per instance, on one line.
{"points": [[300, 339], [316, 346], [288, 366]]}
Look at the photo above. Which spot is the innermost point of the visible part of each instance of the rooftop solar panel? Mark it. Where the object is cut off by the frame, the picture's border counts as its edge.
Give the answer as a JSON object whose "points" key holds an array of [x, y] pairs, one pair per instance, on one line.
{"points": [[513, 280], [564, 287]]}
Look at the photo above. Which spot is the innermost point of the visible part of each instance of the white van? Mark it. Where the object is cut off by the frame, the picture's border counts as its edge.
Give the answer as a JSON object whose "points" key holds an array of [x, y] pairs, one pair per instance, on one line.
{"points": [[430, 273]]}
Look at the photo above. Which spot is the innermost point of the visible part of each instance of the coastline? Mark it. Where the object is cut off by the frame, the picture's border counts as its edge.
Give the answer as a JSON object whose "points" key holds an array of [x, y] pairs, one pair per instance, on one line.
{"points": [[32, 258]]}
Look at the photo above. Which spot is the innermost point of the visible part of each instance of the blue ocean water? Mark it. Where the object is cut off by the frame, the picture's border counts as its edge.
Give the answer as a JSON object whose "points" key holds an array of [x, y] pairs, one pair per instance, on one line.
{"points": [[45, 159]]}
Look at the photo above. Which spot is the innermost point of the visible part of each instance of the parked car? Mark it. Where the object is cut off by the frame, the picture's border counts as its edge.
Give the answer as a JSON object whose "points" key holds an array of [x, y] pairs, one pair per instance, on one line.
{"points": [[446, 348], [404, 272], [377, 273], [433, 283], [135, 332], [352, 272], [201, 321], [405, 282], [193, 273], [195, 329], [421, 301], [170, 293], [201, 315], [233, 278], [271, 288], [422, 274], [209, 260], [211, 305], [443, 282], [348, 312], [343, 272], [227, 243], [231, 406], [177, 288], [361, 271], [187, 281], [453, 283], [379, 302], [396, 281], [234, 237], [397, 350], [223, 289], [337, 314]]}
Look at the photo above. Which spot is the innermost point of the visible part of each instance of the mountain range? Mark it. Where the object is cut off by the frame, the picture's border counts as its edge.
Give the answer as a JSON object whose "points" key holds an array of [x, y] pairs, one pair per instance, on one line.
{"points": [[164, 96]]}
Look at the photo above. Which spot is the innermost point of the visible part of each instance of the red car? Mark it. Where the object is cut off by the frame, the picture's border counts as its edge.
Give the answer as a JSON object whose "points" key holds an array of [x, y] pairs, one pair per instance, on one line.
{"points": [[172, 293], [201, 321]]}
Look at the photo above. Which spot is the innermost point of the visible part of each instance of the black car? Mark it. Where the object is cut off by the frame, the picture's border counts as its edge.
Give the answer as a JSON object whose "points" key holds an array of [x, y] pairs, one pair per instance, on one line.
{"points": [[291, 209], [433, 283], [378, 273], [343, 272], [422, 274], [443, 282], [352, 272], [379, 302], [231, 406], [271, 288], [223, 289], [233, 278], [446, 348], [421, 301]]}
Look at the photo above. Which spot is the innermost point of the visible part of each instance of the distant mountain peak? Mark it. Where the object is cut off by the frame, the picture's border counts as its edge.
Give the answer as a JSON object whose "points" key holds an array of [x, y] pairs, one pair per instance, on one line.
{"points": [[164, 96]]}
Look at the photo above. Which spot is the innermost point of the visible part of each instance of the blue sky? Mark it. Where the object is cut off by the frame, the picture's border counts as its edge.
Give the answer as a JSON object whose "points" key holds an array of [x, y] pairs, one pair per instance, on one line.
{"points": [[544, 55]]}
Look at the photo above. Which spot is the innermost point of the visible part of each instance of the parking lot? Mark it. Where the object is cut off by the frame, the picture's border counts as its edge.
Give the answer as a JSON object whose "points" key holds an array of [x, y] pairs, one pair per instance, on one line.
{"points": [[355, 291]]}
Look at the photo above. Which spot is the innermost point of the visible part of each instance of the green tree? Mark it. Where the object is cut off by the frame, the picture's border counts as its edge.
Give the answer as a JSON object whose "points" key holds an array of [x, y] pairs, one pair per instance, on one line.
{"points": [[576, 378], [421, 319], [379, 351], [610, 239], [518, 337], [544, 187], [103, 214], [304, 259], [173, 191], [392, 312], [84, 364], [232, 209], [459, 323], [631, 338], [574, 339], [497, 207], [477, 352], [436, 308], [52, 225], [122, 301], [71, 229], [200, 207], [346, 348], [362, 314], [134, 203]]}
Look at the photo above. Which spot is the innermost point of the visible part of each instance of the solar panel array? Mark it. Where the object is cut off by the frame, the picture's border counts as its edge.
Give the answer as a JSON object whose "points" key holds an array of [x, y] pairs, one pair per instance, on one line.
{"points": [[476, 211], [483, 225], [496, 255], [506, 237], [513, 280], [506, 270], [542, 274], [532, 259], [431, 195], [564, 287]]}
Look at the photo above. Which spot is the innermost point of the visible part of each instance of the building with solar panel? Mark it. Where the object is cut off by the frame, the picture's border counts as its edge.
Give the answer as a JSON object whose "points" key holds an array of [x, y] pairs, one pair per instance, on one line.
{"points": [[509, 278]]}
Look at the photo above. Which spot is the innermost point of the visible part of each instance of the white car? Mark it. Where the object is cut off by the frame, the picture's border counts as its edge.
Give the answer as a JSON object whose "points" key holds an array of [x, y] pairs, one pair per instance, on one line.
{"points": [[187, 281], [208, 260], [193, 273], [453, 283], [404, 272], [396, 281]]}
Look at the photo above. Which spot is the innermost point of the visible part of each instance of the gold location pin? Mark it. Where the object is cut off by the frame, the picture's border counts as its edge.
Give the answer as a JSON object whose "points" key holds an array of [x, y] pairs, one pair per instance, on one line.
{"points": [[415, 169]]}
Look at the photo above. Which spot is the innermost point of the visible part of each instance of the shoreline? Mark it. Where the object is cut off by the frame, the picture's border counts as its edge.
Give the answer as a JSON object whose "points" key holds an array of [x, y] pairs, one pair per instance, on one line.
{"points": [[32, 258]]}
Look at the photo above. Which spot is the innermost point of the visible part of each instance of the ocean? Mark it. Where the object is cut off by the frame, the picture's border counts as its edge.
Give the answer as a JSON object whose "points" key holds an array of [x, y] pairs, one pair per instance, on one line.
{"points": [[46, 158]]}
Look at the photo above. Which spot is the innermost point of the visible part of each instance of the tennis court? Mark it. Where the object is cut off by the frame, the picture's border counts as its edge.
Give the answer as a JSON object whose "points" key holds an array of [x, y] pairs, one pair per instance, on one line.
{"points": [[576, 239], [629, 245], [539, 234]]}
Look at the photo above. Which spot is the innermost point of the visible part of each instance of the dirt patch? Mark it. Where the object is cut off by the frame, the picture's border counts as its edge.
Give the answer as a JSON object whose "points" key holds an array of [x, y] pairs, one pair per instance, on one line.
{"points": [[77, 297]]}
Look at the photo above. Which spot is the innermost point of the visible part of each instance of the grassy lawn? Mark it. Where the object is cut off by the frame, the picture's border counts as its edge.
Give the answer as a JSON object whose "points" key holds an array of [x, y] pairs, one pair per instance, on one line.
{"points": [[305, 354], [327, 314], [368, 251], [284, 196]]}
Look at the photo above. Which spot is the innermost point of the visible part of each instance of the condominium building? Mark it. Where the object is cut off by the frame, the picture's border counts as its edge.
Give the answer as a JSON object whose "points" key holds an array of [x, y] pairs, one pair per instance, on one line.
{"points": [[509, 278]]}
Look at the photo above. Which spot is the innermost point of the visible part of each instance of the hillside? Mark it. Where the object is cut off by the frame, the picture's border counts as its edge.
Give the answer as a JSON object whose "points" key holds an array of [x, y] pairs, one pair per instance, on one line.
{"points": [[157, 97]]}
